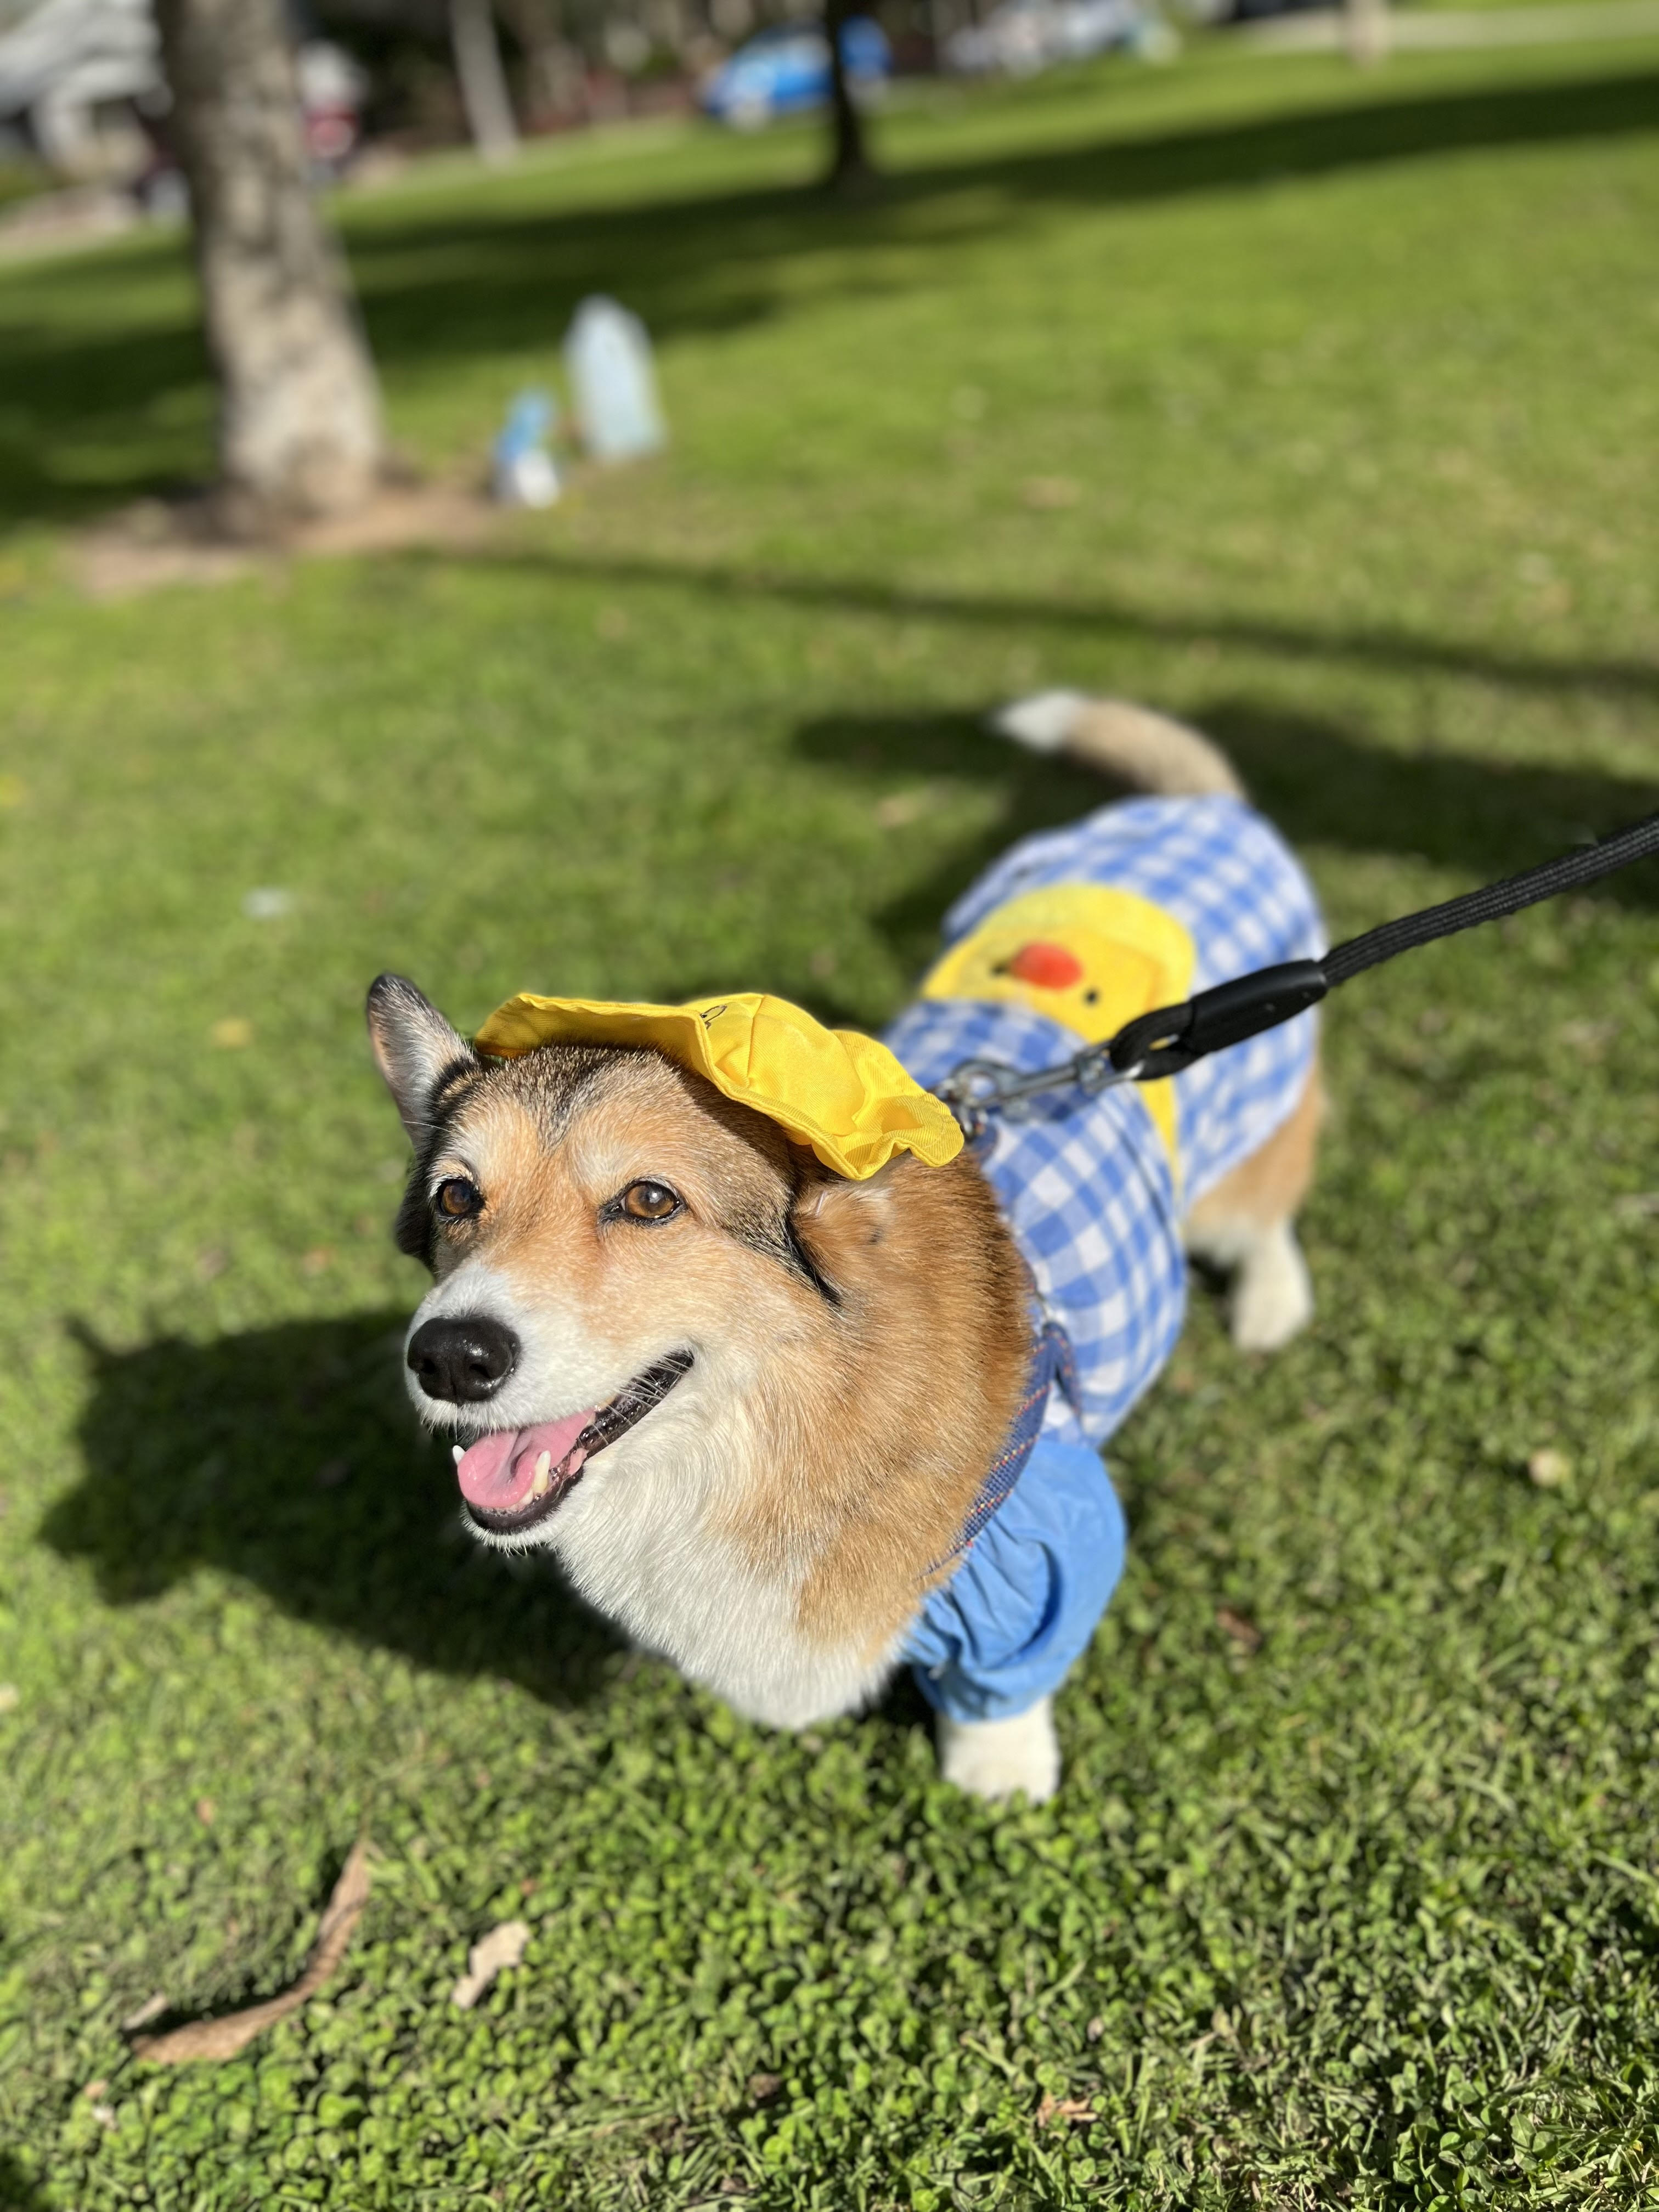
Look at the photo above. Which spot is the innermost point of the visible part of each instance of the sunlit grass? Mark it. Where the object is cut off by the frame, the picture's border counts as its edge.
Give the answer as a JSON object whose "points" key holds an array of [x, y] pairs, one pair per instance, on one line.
{"points": [[1317, 408]]}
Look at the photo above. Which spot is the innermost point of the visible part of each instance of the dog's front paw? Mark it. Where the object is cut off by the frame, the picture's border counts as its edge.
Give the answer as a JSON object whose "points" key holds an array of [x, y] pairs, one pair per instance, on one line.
{"points": [[993, 1758]]}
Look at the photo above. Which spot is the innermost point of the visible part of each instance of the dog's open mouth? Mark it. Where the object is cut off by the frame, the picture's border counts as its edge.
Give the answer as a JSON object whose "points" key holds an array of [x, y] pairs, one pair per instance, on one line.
{"points": [[513, 1478]]}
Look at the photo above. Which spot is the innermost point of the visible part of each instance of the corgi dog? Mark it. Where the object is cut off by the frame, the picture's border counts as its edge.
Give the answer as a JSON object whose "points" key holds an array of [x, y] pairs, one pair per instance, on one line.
{"points": [[791, 1427]]}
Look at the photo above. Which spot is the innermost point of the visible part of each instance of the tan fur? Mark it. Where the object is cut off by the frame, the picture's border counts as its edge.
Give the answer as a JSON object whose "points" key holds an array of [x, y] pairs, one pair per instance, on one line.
{"points": [[1148, 751], [933, 1342], [1270, 1186]]}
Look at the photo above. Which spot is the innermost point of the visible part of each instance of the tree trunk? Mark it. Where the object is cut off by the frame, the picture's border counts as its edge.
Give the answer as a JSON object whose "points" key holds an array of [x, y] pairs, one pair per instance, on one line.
{"points": [[1365, 24], [939, 31], [299, 430], [483, 80], [849, 163], [557, 71]]}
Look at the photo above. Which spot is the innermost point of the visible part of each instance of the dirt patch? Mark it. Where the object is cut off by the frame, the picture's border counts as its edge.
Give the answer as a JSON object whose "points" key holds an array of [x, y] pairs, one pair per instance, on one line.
{"points": [[188, 541]]}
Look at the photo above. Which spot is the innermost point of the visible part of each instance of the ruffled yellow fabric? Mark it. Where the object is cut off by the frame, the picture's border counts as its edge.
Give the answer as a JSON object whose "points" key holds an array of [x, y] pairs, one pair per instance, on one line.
{"points": [[843, 1094]]}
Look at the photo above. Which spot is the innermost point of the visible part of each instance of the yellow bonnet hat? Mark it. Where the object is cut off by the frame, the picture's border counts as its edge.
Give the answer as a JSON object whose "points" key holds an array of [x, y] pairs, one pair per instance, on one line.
{"points": [[843, 1094]]}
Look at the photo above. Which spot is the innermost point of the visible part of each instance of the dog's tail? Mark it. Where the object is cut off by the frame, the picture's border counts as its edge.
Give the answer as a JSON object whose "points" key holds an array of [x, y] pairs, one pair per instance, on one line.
{"points": [[1147, 751]]}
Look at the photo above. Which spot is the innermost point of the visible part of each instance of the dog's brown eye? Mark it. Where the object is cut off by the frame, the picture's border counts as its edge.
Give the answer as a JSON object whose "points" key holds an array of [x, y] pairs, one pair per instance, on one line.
{"points": [[649, 1201], [458, 1198]]}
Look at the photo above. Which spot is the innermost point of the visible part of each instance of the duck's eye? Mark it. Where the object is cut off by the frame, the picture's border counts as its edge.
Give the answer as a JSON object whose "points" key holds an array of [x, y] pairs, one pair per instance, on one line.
{"points": [[649, 1201], [458, 1198]]}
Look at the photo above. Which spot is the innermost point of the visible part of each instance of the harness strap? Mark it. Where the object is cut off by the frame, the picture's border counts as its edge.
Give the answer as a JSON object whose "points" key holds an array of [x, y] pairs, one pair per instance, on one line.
{"points": [[1051, 1363]]}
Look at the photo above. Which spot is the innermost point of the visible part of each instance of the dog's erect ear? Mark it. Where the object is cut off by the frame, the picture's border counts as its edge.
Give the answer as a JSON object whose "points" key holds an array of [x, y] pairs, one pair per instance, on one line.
{"points": [[835, 1220], [415, 1048]]}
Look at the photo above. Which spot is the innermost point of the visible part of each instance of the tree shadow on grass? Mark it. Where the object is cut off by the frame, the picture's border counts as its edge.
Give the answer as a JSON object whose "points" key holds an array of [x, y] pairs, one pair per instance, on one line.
{"points": [[1392, 650], [478, 279], [467, 283], [288, 1457], [1317, 782]]}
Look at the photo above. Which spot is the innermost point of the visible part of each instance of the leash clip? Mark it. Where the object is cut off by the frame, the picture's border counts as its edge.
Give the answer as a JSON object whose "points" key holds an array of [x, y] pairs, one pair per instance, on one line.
{"points": [[976, 1089], [1170, 1038], [1094, 1070], [972, 1090]]}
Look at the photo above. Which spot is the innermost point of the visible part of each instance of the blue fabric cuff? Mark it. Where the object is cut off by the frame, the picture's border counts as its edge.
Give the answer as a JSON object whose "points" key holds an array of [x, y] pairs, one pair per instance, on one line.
{"points": [[1024, 1603]]}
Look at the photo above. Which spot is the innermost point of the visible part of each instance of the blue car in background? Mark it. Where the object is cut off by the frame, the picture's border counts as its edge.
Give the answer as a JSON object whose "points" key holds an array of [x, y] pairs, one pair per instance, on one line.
{"points": [[786, 70]]}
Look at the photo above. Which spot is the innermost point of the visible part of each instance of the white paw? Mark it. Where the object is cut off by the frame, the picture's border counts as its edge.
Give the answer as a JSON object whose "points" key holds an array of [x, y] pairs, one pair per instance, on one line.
{"points": [[1041, 723], [993, 1758], [1272, 1293]]}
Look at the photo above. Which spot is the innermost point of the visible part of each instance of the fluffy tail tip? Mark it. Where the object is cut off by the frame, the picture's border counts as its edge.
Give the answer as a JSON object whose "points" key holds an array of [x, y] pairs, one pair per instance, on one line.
{"points": [[1040, 723]]}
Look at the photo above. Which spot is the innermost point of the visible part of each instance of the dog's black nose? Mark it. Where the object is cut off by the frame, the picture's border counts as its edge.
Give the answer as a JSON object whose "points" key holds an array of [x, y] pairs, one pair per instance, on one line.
{"points": [[464, 1359]]}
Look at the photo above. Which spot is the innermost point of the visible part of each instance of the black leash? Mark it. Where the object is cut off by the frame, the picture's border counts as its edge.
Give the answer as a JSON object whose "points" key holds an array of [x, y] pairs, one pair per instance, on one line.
{"points": [[1170, 1038]]}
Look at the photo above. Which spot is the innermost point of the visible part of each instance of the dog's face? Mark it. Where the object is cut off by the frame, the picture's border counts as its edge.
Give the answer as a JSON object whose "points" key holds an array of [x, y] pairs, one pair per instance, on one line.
{"points": [[620, 1255]]}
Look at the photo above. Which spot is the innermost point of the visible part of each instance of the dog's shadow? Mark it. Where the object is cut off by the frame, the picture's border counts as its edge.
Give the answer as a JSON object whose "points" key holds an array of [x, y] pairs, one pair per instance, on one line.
{"points": [[289, 1457]]}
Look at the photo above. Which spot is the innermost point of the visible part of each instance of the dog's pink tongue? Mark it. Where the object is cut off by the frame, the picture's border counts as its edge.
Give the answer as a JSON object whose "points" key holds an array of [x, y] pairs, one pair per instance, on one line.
{"points": [[499, 1471]]}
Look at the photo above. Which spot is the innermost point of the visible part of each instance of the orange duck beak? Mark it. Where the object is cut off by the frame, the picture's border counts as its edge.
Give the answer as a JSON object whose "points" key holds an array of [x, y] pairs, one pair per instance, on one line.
{"points": [[1048, 967]]}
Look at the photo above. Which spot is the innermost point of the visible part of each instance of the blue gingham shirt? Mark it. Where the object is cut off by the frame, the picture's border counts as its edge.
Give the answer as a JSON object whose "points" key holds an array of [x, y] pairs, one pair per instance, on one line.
{"points": [[1087, 1188]]}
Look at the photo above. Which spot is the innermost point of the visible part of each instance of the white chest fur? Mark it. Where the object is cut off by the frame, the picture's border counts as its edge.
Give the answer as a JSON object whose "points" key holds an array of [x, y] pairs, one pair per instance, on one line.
{"points": [[646, 1539]]}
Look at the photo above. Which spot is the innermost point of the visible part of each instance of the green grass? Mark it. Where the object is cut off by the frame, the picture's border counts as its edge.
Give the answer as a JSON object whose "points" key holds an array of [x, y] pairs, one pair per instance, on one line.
{"points": [[19, 180], [1349, 384]]}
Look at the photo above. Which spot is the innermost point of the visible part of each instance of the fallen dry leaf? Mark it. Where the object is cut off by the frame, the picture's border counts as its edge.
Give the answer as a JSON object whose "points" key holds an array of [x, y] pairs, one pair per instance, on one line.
{"points": [[1589, 1039], [1050, 491], [1550, 1468], [493, 1955], [234, 2030], [1244, 1633], [900, 808], [1076, 2110], [267, 903]]}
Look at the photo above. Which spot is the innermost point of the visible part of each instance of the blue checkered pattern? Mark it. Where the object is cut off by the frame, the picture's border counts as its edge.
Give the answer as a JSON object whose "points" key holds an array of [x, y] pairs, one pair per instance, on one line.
{"points": [[1085, 1184]]}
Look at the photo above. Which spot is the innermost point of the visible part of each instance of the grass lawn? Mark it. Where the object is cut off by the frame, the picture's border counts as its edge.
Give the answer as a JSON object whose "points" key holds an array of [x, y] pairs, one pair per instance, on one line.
{"points": [[1320, 408]]}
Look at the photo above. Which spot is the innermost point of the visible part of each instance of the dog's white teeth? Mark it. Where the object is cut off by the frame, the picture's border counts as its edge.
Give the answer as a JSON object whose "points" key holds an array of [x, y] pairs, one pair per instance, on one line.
{"points": [[543, 1481], [460, 1454]]}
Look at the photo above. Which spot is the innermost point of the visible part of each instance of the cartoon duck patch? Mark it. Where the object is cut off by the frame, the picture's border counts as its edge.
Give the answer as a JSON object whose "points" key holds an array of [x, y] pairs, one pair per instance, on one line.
{"points": [[1089, 957]]}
